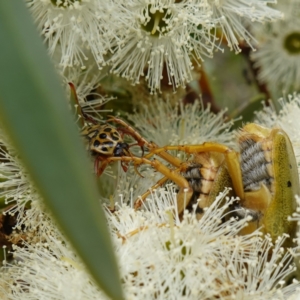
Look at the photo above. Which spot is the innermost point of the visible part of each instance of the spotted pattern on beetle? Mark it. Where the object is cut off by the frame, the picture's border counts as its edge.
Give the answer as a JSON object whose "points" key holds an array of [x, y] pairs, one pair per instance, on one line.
{"points": [[103, 139]]}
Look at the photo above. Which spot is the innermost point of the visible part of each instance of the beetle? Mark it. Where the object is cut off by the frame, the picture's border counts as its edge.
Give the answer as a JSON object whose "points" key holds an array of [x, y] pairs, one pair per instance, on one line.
{"points": [[103, 140], [106, 144], [263, 174]]}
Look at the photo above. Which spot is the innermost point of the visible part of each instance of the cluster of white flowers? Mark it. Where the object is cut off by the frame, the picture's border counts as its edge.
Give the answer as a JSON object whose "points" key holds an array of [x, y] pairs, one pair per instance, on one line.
{"points": [[194, 260], [278, 54], [15, 186], [194, 125], [160, 256], [150, 38], [73, 29]]}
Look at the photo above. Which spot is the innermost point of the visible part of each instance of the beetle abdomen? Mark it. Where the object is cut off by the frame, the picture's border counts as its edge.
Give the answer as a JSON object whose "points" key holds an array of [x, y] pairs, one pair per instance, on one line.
{"points": [[256, 169], [194, 177], [207, 176]]}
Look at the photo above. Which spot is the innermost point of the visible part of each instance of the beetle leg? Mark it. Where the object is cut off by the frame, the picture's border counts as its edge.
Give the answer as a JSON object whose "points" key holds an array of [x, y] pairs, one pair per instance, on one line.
{"points": [[127, 129], [231, 157], [157, 165], [138, 203], [78, 108], [169, 173], [137, 171], [100, 169], [143, 142], [137, 144], [136, 166], [176, 162], [124, 166]]}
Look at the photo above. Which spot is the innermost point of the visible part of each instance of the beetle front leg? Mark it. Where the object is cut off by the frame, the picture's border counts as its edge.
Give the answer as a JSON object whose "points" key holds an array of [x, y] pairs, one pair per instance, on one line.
{"points": [[127, 129], [174, 161], [169, 173], [143, 142], [100, 169], [231, 157], [139, 202]]}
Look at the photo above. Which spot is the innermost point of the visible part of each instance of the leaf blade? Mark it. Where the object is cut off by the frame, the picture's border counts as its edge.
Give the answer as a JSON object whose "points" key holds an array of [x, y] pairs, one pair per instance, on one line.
{"points": [[35, 114]]}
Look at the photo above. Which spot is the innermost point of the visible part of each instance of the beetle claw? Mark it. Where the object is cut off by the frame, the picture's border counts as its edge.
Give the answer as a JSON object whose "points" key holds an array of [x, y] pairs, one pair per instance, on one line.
{"points": [[137, 171]]}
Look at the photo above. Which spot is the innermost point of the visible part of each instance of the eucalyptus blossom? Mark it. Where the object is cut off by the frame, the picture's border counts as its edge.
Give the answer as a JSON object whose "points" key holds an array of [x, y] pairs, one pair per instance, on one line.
{"points": [[278, 53]]}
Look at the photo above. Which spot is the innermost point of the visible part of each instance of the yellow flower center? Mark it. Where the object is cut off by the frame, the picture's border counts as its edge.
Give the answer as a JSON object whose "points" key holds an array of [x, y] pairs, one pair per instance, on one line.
{"points": [[292, 43], [64, 3], [157, 23]]}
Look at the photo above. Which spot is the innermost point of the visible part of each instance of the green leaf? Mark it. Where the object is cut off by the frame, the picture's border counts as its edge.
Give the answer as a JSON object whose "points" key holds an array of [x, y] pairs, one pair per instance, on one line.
{"points": [[33, 110]]}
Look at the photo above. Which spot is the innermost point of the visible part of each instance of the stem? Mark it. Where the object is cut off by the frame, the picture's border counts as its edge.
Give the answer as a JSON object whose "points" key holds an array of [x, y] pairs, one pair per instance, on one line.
{"points": [[261, 86], [171, 223], [207, 96]]}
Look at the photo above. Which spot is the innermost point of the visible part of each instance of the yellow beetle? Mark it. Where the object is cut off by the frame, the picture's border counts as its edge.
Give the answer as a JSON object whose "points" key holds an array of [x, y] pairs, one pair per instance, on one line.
{"points": [[270, 179], [263, 174]]}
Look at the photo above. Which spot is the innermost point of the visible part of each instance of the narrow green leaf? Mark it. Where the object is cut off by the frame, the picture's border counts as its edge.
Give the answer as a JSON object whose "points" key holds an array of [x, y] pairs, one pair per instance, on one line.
{"points": [[33, 110]]}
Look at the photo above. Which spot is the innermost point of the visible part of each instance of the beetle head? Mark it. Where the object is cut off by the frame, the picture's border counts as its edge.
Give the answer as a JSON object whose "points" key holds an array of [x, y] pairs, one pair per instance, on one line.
{"points": [[121, 149]]}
